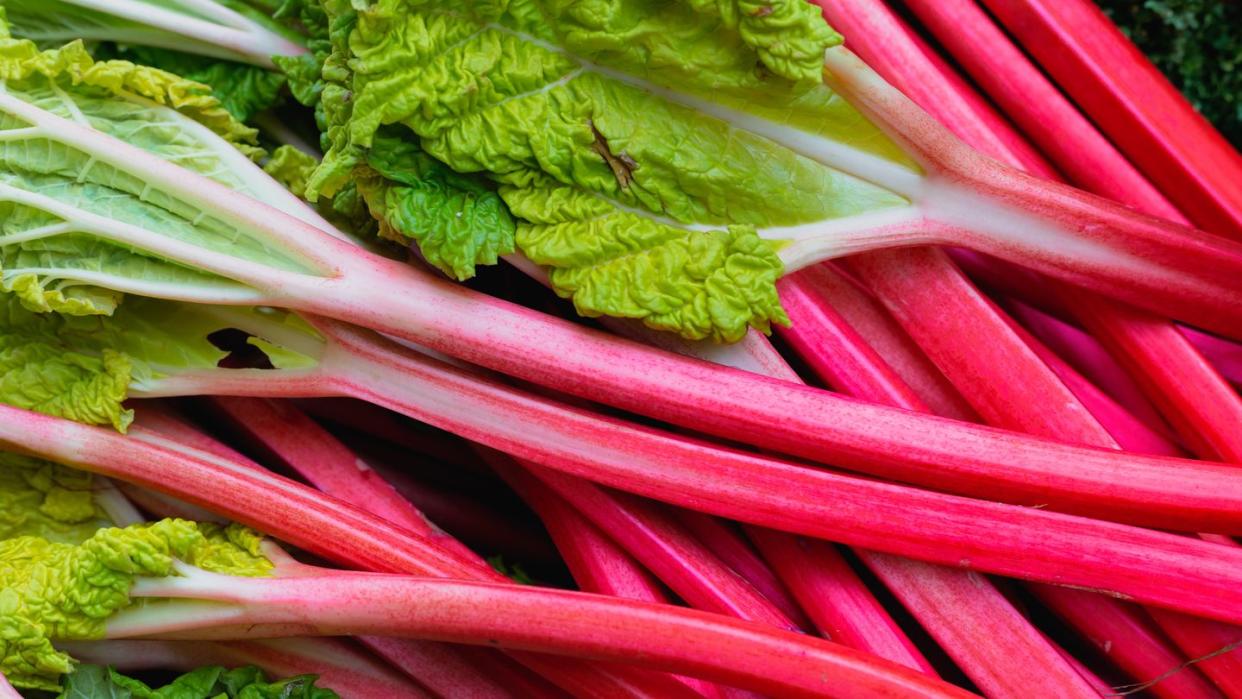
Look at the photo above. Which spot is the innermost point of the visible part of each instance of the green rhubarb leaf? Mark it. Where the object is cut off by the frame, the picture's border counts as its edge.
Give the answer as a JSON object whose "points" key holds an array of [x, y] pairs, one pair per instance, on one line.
{"points": [[84, 367], [74, 221], [42, 369], [243, 90], [47, 500], [710, 284], [292, 168], [636, 113], [457, 221], [212, 682], [54, 591]]}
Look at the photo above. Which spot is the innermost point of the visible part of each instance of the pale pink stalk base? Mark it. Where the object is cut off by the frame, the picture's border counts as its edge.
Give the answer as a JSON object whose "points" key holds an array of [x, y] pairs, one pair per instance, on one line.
{"points": [[1134, 104], [563, 356], [679, 560], [341, 667], [446, 317], [735, 551], [1181, 272], [835, 597], [6, 689], [283, 433], [1130, 640], [1192, 396], [592, 627], [391, 297]]}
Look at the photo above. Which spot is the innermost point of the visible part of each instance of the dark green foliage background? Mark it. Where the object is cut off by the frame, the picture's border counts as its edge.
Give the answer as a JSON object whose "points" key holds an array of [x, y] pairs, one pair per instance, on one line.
{"points": [[1198, 45]]}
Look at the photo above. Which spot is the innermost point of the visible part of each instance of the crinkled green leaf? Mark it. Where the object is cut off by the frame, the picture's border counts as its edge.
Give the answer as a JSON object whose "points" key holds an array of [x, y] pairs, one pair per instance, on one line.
{"points": [[788, 37], [53, 591], [212, 682], [244, 90], [457, 221], [92, 682], [84, 367], [291, 167], [48, 500], [710, 284], [620, 108], [58, 261], [47, 367]]}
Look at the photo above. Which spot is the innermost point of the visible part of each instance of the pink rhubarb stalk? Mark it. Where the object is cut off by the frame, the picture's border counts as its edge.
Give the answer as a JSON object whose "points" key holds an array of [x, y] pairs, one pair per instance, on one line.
{"points": [[1196, 278], [1196, 400], [1091, 359], [724, 540], [440, 668], [577, 624], [597, 563], [1133, 103], [944, 454], [1043, 405], [1195, 576], [286, 436], [6, 689], [834, 596], [678, 559]]}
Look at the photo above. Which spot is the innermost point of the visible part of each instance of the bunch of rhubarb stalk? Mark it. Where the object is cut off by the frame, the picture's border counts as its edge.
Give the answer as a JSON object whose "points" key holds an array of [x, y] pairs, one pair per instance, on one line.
{"points": [[996, 448]]}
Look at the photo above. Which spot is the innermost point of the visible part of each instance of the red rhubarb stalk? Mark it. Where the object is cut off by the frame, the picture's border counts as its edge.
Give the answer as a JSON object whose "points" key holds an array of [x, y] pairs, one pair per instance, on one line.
{"points": [[663, 547], [1038, 108], [1091, 359], [1127, 638], [1043, 406], [443, 669], [944, 454], [834, 595], [286, 436], [1213, 647], [597, 563], [1195, 576], [1133, 103], [577, 624], [724, 540], [1196, 400]]}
